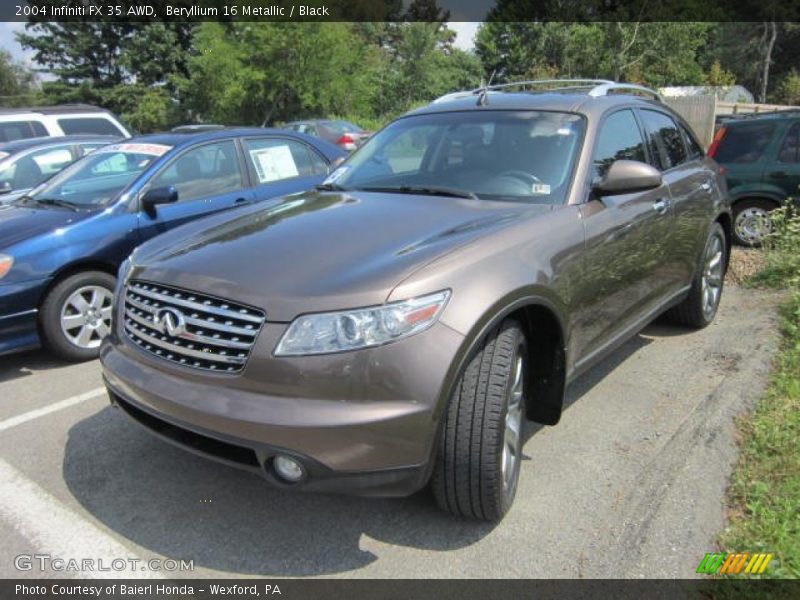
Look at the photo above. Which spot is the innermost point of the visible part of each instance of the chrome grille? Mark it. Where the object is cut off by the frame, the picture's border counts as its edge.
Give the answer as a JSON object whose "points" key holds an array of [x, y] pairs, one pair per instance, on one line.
{"points": [[190, 329]]}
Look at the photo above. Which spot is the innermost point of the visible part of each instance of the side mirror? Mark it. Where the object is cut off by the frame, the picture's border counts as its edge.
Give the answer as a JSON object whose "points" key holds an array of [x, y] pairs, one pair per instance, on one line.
{"points": [[5, 187], [159, 195], [627, 177]]}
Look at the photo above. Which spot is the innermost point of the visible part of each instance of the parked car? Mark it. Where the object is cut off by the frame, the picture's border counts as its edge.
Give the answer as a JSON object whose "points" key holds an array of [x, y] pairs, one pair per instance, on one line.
{"points": [[761, 158], [65, 119], [344, 134], [24, 164], [444, 284], [61, 245]]}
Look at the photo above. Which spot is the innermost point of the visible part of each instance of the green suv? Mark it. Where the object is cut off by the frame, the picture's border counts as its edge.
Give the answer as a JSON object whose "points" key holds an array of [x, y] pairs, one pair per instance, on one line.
{"points": [[760, 156]]}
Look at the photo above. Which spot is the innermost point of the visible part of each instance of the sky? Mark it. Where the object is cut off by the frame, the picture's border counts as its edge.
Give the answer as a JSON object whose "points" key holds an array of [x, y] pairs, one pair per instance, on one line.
{"points": [[465, 33]]}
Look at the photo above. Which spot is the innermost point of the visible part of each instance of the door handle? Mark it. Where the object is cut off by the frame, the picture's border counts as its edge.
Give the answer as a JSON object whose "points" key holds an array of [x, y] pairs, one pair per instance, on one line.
{"points": [[661, 206], [240, 201], [778, 175]]}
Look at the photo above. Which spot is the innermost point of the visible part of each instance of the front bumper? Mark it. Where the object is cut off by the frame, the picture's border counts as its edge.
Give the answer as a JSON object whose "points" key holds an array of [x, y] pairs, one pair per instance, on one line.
{"points": [[378, 442], [19, 315]]}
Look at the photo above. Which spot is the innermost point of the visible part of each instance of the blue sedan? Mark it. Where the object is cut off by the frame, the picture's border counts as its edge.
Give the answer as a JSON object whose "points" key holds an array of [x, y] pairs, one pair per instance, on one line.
{"points": [[61, 245]]}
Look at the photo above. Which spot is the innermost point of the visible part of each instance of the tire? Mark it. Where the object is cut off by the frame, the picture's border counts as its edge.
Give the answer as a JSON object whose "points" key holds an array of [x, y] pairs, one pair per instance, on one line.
{"points": [[469, 478], [90, 318], [698, 310], [746, 215]]}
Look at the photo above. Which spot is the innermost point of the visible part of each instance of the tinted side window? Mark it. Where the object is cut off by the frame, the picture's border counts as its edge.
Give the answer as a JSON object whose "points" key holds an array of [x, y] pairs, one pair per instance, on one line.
{"points": [[619, 139], [744, 143], [790, 149], [96, 126], [695, 150], [664, 139], [207, 170], [21, 130], [276, 159]]}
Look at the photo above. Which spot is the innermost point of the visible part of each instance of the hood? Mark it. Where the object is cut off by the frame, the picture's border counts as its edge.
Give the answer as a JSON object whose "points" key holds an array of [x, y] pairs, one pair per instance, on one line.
{"points": [[320, 251], [18, 223]]}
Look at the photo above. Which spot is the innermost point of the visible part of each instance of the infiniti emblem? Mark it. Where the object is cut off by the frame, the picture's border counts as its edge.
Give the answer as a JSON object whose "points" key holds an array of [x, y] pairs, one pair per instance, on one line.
{"points": [[171, 321]]}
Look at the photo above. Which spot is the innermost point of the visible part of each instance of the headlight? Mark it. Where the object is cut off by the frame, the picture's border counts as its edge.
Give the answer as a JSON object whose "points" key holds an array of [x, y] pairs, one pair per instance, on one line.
{"points": [[325, 333], [5, 264]]}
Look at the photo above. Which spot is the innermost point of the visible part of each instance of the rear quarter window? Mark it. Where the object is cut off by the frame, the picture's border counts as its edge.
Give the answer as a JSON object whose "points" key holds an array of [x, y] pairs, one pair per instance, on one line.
{"points": [[744, 143], [92, 125], [665, 140], [21, 130]]}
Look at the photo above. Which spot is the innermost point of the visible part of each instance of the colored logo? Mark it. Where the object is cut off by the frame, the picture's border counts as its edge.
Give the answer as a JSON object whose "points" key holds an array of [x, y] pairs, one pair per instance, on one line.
{"points": [[734, 563]]}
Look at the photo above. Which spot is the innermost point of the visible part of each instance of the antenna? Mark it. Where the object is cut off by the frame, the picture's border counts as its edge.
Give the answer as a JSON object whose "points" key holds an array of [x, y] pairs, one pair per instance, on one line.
{"points": [[484, 90]]}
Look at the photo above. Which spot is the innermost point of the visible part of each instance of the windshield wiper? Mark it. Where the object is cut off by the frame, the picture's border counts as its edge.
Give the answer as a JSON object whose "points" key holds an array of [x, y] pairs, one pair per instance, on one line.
{"points": [[426, 190], [329, 187], [55, 202]]}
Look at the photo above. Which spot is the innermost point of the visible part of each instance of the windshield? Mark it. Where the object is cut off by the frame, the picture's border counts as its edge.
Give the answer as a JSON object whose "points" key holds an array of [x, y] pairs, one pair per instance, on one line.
{"points": [[524, 156], [343, 127], [98, 178]]}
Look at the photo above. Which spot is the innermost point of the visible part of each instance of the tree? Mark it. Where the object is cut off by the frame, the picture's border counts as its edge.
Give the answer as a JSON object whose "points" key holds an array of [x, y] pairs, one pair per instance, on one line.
{"points": [[788, 91], [719, 76], [18, 83], [653, 53], [110, 64]]}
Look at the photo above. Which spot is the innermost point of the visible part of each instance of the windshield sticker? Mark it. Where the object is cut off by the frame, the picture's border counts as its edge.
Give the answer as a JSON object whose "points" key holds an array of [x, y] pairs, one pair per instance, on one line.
{"points": [[540, 189], [274, 163], [336, 174], [153, 149]]}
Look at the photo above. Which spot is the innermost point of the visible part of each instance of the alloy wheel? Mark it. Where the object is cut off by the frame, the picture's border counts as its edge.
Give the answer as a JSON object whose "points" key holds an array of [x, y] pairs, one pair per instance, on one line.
{"points": [[713, 274], [86, 316], [513, 423]]}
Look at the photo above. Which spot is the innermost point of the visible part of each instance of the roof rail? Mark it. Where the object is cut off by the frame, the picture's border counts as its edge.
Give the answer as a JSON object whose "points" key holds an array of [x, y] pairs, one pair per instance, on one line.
{"points": [[596, 87], [604, 89]]}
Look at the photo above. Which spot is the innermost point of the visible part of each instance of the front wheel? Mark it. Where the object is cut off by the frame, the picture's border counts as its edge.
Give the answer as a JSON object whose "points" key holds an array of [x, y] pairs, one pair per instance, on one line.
{"points": [[700, 307], [478, 462], [76, 315]]}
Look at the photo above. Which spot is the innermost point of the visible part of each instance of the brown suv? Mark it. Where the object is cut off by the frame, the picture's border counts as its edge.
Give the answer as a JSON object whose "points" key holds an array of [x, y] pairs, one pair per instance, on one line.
{"points": [[399, 323]]}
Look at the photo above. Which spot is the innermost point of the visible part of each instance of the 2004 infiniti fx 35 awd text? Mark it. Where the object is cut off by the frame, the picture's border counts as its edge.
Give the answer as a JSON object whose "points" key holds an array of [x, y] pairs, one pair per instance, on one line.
{"points": [[398, 324]]}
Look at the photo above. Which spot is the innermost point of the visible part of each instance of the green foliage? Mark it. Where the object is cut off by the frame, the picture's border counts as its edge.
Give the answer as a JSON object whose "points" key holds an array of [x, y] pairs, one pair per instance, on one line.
{"points": [[656, 54], [764, 495], [719, 76], [18, 84], [788, 91], [781, 251]]}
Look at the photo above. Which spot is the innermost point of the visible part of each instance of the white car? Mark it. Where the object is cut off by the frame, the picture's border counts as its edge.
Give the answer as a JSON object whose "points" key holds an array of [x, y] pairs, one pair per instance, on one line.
{"points": [[66, 119]]}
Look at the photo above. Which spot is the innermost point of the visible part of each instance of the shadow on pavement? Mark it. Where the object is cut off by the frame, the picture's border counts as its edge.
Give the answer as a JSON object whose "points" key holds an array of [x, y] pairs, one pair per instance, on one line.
{"points": [[176, 504], [25, 364]]}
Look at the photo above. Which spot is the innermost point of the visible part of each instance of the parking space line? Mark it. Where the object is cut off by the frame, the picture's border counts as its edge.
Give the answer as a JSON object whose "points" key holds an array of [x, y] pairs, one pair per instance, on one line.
{"points": [[61, 533], [46, 410]]}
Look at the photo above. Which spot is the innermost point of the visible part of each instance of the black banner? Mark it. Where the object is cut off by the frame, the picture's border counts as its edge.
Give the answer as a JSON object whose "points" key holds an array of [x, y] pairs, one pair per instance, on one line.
{"points": [[397, 10], [402, 589]]}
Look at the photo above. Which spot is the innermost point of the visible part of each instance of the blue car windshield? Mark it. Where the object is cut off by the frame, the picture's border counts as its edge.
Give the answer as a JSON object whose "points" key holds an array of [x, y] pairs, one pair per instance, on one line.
{"points": [[516, 156], [98, 179]]}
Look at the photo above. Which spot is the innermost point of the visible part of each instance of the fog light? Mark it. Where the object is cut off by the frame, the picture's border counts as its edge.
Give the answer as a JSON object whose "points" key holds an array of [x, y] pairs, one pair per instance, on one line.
{"points": [[288, 468]]}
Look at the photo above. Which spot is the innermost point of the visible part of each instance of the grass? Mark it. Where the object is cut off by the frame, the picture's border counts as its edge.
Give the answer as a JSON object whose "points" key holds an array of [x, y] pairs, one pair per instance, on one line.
{"points": [[764, 495]]}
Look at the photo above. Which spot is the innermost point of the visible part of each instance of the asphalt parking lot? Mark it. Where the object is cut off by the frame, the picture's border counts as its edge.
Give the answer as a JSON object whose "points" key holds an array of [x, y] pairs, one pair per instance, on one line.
{"points": [[629, 484]]}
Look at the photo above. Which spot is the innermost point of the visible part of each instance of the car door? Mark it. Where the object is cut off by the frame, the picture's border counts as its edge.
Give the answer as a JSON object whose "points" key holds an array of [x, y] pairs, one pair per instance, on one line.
{"points": [[692, 187], [281, 165], [783, 170], [626, 239], [208, 178]]}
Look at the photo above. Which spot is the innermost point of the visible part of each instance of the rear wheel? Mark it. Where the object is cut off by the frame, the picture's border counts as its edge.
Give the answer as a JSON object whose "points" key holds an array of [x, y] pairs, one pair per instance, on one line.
{"points": [[751, 222], [479, 456], [76, 315], [700, 307]]}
